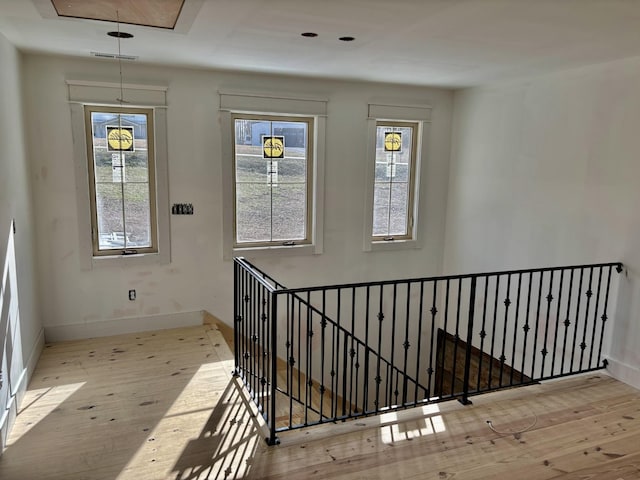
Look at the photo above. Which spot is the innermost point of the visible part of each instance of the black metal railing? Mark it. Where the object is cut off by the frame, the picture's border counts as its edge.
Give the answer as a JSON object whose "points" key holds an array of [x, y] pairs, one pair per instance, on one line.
{"points": [[329, 353]]}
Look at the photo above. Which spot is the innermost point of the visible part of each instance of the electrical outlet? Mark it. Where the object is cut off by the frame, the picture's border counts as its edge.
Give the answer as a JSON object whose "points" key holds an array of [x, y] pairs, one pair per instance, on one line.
{"points": [[132, 295]]}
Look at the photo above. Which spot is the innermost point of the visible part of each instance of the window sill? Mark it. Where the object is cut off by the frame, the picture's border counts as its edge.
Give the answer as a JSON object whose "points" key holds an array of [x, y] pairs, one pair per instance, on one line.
{"points": [[129, 260], [276, 250], [382, 246]]}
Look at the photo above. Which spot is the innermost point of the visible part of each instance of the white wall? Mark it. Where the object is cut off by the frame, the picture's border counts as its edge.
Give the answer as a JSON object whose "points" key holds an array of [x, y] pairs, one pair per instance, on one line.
{"points": [[77, 301], [545, 172], [21, 336]]}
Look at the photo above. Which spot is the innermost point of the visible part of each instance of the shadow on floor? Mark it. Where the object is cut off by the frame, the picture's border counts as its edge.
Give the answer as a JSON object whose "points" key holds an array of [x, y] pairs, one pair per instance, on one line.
{"points": [[227, 444]]}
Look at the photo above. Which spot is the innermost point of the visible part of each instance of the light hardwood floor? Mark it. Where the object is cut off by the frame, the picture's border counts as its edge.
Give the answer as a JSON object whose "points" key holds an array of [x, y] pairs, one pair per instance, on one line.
{"points": [[163, 405]]}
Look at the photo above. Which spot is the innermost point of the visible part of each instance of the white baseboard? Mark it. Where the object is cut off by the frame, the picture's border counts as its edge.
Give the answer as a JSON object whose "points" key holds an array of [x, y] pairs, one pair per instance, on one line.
{"points": [[119, 326], [15, 400], [623, 372]]}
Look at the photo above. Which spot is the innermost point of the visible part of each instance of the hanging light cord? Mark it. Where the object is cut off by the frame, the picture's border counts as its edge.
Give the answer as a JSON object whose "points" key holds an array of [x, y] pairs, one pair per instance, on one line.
{"points": [[516, 433], [121, 99]]}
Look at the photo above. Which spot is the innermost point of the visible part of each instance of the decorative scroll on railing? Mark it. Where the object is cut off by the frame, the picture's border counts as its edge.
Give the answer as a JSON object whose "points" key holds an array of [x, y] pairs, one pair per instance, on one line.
{"points": [[322, 354]]}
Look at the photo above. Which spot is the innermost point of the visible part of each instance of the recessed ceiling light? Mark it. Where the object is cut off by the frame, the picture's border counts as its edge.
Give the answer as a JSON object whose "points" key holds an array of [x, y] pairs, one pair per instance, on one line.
{"points": [[347, 39], [309, 34], [120, 34]]}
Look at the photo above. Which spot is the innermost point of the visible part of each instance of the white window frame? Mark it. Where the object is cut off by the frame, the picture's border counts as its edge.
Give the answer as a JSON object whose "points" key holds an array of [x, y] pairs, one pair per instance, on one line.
{"points": [[82, 93], [309, 121], [91, 155], [419, 115], [232, 103]]}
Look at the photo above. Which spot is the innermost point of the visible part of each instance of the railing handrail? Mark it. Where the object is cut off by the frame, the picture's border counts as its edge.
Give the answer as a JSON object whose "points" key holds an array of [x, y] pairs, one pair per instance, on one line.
{"points": [[439, 278], [259, 275]]}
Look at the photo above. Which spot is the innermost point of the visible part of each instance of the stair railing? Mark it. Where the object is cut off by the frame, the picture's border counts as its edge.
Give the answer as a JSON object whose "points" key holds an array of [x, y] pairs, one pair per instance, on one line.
{"points": [[329, 353]]}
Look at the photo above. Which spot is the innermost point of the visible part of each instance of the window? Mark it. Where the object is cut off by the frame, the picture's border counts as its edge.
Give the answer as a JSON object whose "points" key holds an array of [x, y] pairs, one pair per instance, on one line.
{"points": [[396, 175], [273, 149], [122, 186], [394, 182], [273, 179]]}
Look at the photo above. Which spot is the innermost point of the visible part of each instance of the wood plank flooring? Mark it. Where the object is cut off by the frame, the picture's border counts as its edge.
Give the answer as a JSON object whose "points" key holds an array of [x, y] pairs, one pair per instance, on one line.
{"points": [[163, 405]]}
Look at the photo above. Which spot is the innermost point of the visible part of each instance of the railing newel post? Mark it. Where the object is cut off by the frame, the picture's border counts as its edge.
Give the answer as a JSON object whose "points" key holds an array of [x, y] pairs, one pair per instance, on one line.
{"points": [[273, 439], [467, 357]]}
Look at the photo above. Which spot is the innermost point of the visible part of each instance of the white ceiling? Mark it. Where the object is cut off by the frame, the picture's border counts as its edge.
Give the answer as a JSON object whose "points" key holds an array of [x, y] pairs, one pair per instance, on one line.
{"points": [[449, 43]]}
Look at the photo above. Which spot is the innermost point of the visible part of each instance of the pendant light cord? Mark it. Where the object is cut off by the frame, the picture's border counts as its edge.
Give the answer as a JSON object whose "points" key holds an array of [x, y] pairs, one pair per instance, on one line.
{"points": [[121, 99]]}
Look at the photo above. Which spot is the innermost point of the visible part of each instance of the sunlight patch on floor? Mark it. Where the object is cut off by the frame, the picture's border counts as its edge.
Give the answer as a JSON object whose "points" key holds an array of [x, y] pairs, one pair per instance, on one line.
{"points": [[216, 442], [393, 430], [37, 405]]}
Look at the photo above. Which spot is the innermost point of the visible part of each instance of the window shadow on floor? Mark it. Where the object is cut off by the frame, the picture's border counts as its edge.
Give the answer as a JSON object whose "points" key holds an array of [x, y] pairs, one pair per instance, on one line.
{"points": [[227, 444]]}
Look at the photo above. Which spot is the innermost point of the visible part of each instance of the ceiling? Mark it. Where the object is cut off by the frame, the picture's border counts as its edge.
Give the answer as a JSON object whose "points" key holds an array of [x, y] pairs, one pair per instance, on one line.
{"points": [[447, 43]]}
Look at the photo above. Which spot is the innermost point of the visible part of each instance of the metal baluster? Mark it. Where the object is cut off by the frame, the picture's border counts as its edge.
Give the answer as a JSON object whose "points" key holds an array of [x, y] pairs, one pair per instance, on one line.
{"points": [[544, 351], [406, 344], [290, 357], [589, 294], [309, 355], [365, 392], [432, 345], [380, 320], [251, 359], [535, 334], [323, 328], [344, 374], [483, 332], [595, 319], [493, 332], [444, 339], [456, 339], [415, 399], [352, 352], [575, 329], [335, 359], [515, 330], [393, 341], [526, 328], [566, 323], [264, 340], [299, 397], [467, 360], [555, 335], [507, 304]]}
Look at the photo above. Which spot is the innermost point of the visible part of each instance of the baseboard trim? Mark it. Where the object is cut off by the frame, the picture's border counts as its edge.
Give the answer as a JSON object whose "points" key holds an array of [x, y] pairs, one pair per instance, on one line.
{"points": [[36, 351], [106, 328], [623, 372]]}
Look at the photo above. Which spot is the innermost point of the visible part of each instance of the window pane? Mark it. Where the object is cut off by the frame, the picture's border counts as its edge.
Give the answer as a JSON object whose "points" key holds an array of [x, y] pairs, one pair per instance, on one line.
{"points": [[289, 213], [251, 167], [292, 170], [109, 206], [399, 199], [381, 209], [136, 166], [137, 218], [253, 212]]}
